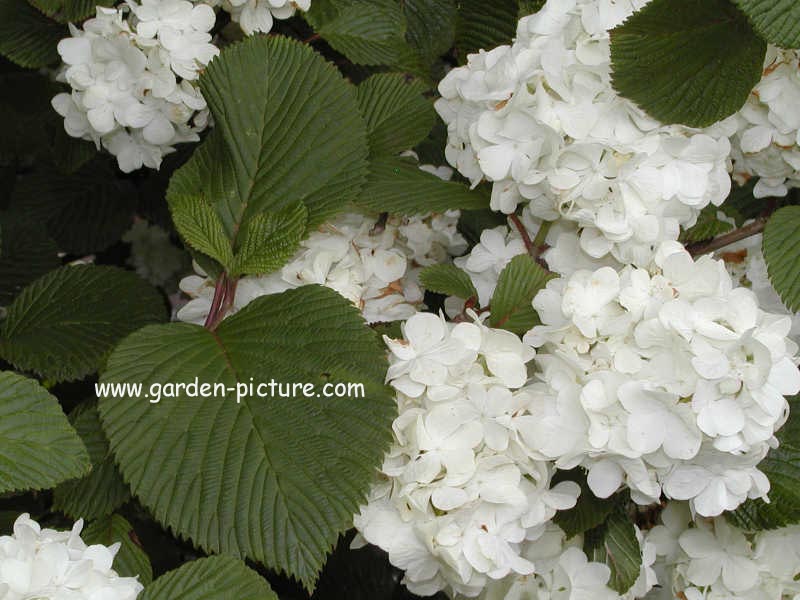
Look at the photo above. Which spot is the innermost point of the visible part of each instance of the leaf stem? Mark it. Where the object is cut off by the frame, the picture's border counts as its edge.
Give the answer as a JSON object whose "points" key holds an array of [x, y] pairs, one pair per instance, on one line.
{"points": [[526, 239], [224, 294], [729, 238]]}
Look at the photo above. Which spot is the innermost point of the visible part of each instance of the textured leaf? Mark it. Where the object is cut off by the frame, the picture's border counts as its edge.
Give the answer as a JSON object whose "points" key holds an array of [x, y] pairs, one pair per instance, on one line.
{"points": [[397, 185], [26, 252], [201, 228], [269, 240], [480, 29], [529, 7], [131, 559], [781, 246], [69, 11], [708, 226], [27, 37], [62, 325], [431, 27], [589, 512], [396, 113], [687, 61], [38, 446], [448, 280], [102, 491], [615, 544], [274, 479], [84, 212], [210, 578], [518, 283], [777, 21], [288, 130]]}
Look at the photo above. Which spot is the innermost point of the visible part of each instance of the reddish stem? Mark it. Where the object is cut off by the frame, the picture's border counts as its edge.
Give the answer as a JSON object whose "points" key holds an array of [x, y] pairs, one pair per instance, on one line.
{"points": [[526, 239], [729, 238], [216, 311]]}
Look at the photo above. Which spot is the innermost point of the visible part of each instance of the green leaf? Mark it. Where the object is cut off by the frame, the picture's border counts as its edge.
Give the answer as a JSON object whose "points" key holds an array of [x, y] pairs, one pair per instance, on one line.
{"points": [[781, 246], [84, 212], [201, 227], [518, 283], [529, 7], [708, 226], [210, 579], [615, 544], [480, 29], [687, 61], [472, 222], [27, 37], [26, 253], [274, 479], [63, 325], [368, 32], [777, 21], [287, 130], [397, 114], [102, 491], [782, 468], [431, 27], [269, 240], [448, 280], [38, 446], [588, 513], [397, 185], [69, 11], [131, 559]]}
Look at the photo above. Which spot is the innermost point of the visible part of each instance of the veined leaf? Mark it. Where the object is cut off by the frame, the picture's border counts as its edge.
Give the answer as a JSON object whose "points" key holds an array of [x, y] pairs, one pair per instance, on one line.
{"points": [[687, 61], [26, 253], [708, 226], [38, 446], [589, 511], [62, 325], [448, 280], [270, 239], [480, 29], [615, 544], [201, 227], [511, 302], [275, 479], [27, 37], [430, 27], [777, 21], [131, 560], [781, 246], [69, 11]]}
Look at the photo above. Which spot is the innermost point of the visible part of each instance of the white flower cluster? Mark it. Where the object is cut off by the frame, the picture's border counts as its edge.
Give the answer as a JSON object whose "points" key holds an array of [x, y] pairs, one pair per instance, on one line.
{"points": [[460, 493], [540, 119], [259, 15], [44, 563], [133, 71], [376, 267], [668, 379], [767, 142], [713, 560]]}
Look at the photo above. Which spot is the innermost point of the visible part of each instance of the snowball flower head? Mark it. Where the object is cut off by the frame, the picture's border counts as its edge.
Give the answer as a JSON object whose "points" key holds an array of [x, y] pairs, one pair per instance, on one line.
{"points": [[259, 15], [44, 563]]}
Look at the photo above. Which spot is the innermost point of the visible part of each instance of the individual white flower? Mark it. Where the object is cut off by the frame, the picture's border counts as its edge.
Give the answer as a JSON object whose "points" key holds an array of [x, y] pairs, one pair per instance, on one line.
{"points": [[44, 563], [259, 15], [133, 72]]}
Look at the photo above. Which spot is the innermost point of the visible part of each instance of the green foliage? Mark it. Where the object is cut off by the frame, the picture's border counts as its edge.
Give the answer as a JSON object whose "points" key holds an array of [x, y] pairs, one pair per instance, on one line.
{"points": [[480, 29], [448, 280], [781, 246], [131, 559], [518, 283], [588, 513], [397, 185], [26, 253], [84, 212], [38, 446], [396, 113], [209, 579], [431, 27], [201, 227], [63, 325], [102, 491], [27, 37], [69, 11], [275, 479], [615, 544], [777, 21], [782, 468], [269, 240], [687, 61], [708, 226]]}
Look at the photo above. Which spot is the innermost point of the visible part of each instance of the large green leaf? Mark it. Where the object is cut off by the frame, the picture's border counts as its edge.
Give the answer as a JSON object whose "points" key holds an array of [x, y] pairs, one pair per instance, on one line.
{"points": [[687, 61], [781, 247], [588, 513], [69, 11], [479, 28], [778, 21], [448, 280], [615, 544], [102, 491], [210, 578], [26, 253], [511, 302], [431, 27], [27, 37], [397, 185], [38, 446], [131, 559], [274, 479], [397, 114], [63, 325]]}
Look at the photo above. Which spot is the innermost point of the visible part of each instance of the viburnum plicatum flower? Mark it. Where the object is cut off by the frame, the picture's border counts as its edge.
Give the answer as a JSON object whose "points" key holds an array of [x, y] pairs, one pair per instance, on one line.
{"points": [[459, 496], [376, 268], [670, 378], [259, 15], [713, 560], [133, 71], [541, 121], [44, 563]]}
